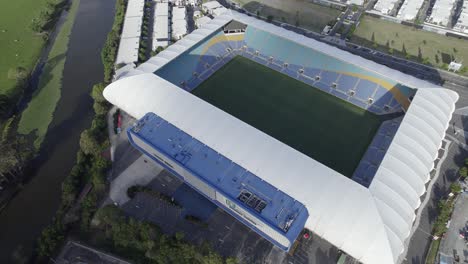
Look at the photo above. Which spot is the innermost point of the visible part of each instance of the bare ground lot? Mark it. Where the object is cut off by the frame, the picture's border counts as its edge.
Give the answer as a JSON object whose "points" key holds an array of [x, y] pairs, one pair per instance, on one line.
{"points": [[295, 12]]}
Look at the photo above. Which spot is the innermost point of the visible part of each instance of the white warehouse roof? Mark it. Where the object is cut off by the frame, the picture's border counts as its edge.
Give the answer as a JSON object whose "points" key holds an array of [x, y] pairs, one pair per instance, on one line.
{"points": [[371, 224], [128, 51], [202, 21], [462, 22], [179, 24], [409, 10], [135, 8], [211, 5], [131, 27], [385, 6], [441, 12], [161, 25], [131, 32]]}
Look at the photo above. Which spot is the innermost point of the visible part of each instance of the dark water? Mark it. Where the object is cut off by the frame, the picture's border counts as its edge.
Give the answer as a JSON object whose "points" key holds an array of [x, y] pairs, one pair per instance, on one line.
{"points": [[33, 208]]}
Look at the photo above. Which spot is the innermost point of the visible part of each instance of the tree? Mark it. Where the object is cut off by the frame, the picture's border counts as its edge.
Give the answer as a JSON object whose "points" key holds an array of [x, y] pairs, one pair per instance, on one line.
{"points": [[373, 37], [270, 18], [99, 125], [9, 162], [426, 61], [455, 188], [159, 49], [19, 74], [36, 25], [463, 172], [109, 215], [403, 49], [100, 108], [231, 260], [88, 143], [50, 238], [97, 92]]}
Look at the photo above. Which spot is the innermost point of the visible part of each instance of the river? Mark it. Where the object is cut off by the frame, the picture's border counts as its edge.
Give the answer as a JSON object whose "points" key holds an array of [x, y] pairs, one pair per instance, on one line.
{"points": [[34, 206]]}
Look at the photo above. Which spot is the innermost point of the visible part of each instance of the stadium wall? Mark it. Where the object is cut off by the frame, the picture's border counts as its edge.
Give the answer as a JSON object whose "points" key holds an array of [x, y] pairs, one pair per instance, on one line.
{"points": [[212, 193]]}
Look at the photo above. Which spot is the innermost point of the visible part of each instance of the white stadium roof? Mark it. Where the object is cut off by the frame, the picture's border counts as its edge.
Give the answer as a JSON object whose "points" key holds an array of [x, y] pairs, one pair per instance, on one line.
{"points": [[371, 224]]}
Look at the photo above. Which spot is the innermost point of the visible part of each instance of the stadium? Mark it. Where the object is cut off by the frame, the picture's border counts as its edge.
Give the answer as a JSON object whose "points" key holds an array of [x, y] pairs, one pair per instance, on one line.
{"points": [[285, 133]]}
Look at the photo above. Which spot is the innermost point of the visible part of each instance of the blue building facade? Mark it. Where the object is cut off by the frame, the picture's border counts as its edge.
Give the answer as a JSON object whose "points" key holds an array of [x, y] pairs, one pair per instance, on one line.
{"points": [[265, 209]]}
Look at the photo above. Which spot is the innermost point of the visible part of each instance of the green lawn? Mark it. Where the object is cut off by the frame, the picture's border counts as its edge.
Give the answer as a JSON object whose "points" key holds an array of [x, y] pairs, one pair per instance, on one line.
{"points": [[39, 112], [20, 46], [307, 14], [322, 126], [435, 48]]}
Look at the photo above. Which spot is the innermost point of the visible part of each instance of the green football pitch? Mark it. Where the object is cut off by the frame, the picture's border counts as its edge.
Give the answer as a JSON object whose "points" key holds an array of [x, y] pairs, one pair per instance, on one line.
{"points": [[322, 126]]}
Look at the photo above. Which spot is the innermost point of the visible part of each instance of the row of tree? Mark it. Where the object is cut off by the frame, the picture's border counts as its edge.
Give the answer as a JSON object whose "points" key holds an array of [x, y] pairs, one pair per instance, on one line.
{"points": [[143, 242], [109, 52]]}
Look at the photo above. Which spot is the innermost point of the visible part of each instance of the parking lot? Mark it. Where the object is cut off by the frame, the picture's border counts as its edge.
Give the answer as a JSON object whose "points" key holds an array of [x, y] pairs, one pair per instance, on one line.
{"points": [[225, 234]]}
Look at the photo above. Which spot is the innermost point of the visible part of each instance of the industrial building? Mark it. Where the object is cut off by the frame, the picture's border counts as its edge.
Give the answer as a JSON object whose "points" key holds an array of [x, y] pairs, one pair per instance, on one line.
{"points": [[179, 24], [131, 33], [442, 12], [269, 186], [161, 28], [462, 22]]}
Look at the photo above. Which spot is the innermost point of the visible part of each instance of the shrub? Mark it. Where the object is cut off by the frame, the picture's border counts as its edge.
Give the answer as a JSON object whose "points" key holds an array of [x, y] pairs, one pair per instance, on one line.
{"points": [[18, 73], [463, 172], [455, 188], [88, 143]]}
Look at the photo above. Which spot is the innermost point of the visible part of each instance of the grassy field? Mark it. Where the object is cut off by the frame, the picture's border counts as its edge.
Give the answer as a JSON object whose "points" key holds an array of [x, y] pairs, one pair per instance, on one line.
{"points": [[306, 14], [421, 45], [326, 128], [39, 112], [20, 46]]}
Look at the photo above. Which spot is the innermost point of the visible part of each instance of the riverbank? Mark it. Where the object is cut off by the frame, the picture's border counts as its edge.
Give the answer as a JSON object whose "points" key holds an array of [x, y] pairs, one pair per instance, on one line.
{"points": [[37, 116], [35, 205]]}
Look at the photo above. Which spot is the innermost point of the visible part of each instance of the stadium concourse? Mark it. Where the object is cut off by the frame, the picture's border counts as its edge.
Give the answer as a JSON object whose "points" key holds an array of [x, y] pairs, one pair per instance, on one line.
{"points": [[266, 184]]}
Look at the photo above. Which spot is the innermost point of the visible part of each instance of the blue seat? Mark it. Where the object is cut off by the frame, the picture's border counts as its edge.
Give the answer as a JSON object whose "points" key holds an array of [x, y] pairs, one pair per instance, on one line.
{"points": [[328, 77], [346, 82]]}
